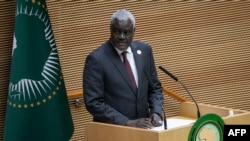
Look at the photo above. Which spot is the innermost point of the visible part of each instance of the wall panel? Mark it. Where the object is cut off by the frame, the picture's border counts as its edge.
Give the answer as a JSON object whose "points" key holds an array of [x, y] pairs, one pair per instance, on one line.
{"points": [[205, 44]]}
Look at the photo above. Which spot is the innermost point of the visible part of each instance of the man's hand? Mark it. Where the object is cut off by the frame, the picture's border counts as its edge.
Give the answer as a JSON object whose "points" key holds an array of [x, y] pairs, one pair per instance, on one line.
{"points": [[141, 123], [156, 120]]}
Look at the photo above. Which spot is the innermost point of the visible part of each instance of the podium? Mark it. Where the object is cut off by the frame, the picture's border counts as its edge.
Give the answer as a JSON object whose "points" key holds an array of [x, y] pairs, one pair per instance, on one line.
{"points": [[96, 131]]}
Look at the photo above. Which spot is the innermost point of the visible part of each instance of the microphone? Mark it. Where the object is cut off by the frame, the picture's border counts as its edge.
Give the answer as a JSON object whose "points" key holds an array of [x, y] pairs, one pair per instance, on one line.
{"points": [[153, 87], [176, 79]]}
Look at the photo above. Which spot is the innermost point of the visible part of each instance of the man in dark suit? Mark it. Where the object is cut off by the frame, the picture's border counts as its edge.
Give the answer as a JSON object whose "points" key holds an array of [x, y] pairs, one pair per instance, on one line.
{"points": [[110, 94]]}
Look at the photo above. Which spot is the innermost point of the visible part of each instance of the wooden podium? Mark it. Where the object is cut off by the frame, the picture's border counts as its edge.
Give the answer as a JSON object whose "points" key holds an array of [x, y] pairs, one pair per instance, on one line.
{"points": [[96, 131]]}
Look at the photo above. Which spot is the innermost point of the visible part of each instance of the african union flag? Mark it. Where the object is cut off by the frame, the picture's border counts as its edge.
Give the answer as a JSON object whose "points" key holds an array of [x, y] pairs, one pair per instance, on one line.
{"points": [[37, 104]]}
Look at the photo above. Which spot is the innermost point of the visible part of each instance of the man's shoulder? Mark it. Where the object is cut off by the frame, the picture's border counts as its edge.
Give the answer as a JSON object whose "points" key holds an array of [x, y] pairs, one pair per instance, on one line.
{"points": [[139, 42], [141, 45], [100, 47]]}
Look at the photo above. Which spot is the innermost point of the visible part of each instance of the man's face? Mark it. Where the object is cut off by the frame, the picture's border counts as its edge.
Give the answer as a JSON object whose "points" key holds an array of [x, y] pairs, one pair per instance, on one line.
{"points": [[122, 33]]}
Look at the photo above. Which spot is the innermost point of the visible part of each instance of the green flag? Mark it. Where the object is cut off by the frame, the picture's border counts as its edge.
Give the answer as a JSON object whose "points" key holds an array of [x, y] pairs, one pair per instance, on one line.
{"points": [[37, 104]]}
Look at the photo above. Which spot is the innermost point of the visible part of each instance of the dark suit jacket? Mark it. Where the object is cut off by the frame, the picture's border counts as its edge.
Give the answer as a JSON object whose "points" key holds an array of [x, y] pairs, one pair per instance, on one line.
{"points": [[108, 93]]}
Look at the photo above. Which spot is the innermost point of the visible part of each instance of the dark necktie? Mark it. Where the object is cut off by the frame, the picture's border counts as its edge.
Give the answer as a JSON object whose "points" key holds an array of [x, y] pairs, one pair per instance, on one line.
{"points": [[129, 70]]}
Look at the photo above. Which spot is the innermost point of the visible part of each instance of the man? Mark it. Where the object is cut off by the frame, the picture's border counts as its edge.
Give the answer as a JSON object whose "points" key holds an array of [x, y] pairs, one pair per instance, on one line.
{"points": [[110, 95]]}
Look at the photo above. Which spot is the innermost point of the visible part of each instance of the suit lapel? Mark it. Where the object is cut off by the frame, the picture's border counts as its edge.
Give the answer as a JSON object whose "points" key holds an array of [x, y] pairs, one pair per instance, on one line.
{"points": [[138, 61], [117, 62]]}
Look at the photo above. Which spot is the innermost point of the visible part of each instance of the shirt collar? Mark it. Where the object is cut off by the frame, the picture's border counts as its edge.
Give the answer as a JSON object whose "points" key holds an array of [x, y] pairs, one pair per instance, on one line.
{"points": [[120, 51]]}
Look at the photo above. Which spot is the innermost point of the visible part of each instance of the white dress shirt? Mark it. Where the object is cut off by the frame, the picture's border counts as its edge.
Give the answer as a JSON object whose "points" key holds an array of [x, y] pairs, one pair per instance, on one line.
{"points": [[131, 61]]}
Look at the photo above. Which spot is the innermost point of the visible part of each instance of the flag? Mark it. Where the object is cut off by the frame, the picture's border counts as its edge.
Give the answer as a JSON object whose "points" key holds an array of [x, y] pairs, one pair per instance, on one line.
{"points": [[37, 104]]}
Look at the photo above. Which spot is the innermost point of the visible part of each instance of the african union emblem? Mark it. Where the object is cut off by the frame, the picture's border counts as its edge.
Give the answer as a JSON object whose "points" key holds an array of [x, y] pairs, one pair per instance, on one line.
{"points": [[35, 65], [209, 127]]}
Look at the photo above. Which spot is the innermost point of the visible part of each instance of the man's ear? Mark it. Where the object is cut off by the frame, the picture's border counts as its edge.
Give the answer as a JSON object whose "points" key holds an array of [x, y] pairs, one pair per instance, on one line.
{"points": [[134, 29]]}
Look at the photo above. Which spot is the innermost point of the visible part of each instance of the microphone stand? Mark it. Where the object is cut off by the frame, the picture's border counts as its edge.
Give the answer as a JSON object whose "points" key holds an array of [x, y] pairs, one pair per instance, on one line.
{"points": [[198, 111], [177, 80], [164, 118], [164, 115], [163, 111]]}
